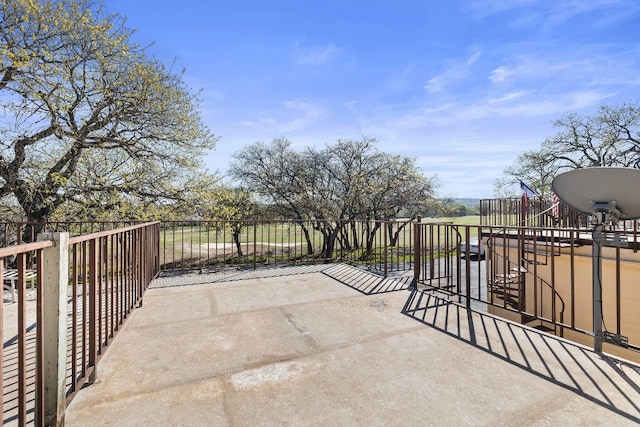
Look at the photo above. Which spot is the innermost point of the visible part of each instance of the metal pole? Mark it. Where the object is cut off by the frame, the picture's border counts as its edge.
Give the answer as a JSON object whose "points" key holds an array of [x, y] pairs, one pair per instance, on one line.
{"points": [[386, 260], [417, 230], [597, 282]]}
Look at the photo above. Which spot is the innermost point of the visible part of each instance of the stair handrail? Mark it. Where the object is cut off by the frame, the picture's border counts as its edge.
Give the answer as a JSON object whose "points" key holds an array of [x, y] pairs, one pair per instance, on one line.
{"points": [[512, 266]]}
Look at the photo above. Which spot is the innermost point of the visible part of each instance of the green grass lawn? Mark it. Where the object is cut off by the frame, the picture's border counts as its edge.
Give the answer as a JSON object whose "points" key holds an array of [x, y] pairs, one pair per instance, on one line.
{"points": [[271, 233], [286, 240], [288, 234], [458, 220]]}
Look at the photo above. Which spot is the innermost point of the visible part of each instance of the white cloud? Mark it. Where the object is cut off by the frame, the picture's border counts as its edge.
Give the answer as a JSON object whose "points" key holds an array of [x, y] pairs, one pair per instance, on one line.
{"points": [[500, 74], [456, 71], [317, 55], [310, 114], [534, 68], [594, 65], [514, 104], [295, 116], [610, 11], [350, 105], [401, 80], [544, 13], [485, 8]]}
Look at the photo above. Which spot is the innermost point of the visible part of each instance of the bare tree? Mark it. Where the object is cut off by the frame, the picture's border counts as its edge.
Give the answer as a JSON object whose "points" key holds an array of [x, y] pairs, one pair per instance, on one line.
{"points": [[611, 137], [330, 186]]}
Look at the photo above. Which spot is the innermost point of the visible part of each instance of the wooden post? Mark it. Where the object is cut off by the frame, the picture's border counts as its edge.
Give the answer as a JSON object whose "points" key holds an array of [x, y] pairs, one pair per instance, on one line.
{"points": [[54, 327]]}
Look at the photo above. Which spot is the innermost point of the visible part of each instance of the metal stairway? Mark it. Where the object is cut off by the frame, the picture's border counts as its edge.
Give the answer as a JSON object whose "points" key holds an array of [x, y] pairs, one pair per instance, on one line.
{"points": [[514, 286]]}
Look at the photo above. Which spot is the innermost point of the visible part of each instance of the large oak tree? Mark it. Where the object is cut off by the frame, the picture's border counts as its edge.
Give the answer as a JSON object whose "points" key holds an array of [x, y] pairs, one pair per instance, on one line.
{"points": [[330, 186], [610, 137], [88, 119]]}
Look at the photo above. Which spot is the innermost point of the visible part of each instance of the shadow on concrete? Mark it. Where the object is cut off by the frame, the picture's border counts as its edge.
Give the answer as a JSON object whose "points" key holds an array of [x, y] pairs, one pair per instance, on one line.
{"points": [[359, 279], [11, 361], [172, 279], [10, 380], [610, 382], [366, 282]]}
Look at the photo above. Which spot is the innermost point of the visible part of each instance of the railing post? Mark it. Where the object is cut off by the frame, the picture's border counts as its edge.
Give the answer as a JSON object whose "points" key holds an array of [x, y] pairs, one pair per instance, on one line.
{"points": [[93, 306], [255, 247], [417, 230], [467, 240], [54, 327], [386, 260]]}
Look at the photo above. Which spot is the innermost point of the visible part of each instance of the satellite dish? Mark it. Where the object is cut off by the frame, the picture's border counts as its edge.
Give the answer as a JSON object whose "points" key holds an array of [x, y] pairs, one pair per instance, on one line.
{"points": [[606, 193], [591, 190]]}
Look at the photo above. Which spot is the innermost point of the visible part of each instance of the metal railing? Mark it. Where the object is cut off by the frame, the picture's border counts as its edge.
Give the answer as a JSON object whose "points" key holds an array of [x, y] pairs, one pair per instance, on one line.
{"points": [[541, 277], [535, 212], [107, 273], [530, 212], [514, 283], [23, 392], [97, 280], [15, 233], [385, 247], [435, 246]]}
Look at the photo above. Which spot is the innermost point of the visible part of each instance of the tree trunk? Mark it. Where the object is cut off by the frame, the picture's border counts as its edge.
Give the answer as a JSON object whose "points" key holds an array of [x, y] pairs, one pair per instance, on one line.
{"points": [[395, 235], [31, 230], [371, 236], [236, 240], [354, 236], [330, 238], [307, 237]]}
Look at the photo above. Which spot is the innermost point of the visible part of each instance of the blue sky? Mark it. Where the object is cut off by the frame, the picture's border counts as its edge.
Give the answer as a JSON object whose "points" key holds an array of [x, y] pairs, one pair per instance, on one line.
{"points": [[463, 86]]}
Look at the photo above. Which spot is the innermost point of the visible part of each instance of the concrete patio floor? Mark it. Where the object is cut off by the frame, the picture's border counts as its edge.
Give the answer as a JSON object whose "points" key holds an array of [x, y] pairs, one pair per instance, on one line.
{"points": [[334, 345]]}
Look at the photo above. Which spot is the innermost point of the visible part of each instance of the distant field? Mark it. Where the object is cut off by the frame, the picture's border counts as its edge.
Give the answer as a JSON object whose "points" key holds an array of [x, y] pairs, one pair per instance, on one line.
{"points": [[193, 244], [460, 220], [201, 237]]}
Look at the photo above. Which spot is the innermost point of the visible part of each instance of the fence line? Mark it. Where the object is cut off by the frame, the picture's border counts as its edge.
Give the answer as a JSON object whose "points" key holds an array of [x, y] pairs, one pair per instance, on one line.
{"points": [[532, 275], [385, 247], [540, 277], [54, 336], [536, 212]]}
